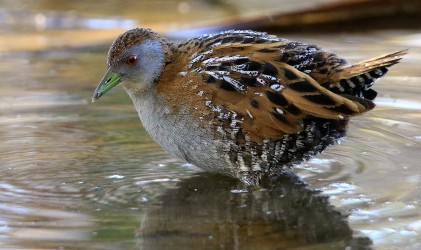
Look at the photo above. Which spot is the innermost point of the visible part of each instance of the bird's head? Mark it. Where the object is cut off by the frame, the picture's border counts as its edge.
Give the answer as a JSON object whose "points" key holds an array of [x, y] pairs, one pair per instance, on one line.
{"points": [[135, 59]]}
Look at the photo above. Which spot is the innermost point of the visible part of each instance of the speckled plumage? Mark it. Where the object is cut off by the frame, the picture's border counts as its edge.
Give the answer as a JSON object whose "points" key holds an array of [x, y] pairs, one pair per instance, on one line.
{"points": [[244, 103]]}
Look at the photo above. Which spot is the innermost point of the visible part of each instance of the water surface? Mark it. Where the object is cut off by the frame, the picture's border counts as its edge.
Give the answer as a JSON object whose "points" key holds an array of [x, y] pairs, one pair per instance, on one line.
{"points": [[78, 175]]}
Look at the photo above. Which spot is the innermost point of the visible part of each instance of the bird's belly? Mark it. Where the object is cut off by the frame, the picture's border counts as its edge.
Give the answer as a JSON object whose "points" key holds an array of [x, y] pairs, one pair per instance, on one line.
{"points": [[186, 138]]}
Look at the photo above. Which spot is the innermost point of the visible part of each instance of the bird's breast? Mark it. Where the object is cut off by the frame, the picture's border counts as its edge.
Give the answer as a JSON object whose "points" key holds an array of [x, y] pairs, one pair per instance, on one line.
{"points": [[180, 133]]}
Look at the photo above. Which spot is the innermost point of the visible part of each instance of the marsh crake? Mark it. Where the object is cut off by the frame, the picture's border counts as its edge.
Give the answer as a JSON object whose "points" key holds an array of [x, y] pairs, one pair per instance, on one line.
{"points": [[241, 103]]}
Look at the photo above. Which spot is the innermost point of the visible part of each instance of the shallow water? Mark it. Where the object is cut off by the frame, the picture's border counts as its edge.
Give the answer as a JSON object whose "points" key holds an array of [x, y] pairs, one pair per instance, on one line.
{"points": [[78, 175]]}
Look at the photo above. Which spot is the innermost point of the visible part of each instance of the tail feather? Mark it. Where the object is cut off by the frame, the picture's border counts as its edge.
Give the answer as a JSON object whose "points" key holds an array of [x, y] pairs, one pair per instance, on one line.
{"points": [[357, 79], [365, 66]]}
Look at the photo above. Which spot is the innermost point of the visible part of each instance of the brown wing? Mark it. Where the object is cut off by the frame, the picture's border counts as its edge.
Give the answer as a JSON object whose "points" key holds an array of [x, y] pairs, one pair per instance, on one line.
{"points": [[271, 96], [275, 97]]}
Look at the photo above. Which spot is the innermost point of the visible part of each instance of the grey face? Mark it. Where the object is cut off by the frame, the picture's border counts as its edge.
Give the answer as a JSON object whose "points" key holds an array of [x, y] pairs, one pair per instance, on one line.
{"points": [[137, 68]]}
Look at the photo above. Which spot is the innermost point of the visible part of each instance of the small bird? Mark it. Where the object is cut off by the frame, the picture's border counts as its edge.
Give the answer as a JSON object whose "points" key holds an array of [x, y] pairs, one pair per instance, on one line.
{"points": [[240, 102]]}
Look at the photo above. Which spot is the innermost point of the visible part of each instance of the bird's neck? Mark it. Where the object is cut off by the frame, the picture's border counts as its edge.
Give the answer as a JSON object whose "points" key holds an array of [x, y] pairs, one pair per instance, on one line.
{"points": [[148, 103]]}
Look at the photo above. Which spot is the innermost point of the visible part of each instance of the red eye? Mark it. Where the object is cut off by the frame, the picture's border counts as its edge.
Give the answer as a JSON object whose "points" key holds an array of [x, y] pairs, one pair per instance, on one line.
{"points": [[131, 60]]}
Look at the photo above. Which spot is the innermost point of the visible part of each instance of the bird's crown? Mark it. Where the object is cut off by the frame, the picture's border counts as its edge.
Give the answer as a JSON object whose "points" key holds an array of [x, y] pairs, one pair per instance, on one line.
{"points": [[127, 40]]}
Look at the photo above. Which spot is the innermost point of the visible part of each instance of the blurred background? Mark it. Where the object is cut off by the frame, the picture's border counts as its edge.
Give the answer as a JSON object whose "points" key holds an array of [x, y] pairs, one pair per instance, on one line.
{"points": [[77, 175]]}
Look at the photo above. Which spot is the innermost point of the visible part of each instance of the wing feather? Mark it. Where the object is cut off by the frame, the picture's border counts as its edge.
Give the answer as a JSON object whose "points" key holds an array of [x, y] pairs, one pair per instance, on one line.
{"points": [[273, 97]]}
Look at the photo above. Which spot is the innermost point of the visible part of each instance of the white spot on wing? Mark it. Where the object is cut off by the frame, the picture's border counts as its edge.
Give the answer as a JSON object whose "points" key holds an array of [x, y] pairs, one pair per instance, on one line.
{"points": [[197, 58], [280, 111], [217, 76], [216, 44], [236, 84], [211, 60], [249, 113], [276, 87], [194, 55], [271, 78], [261, 81], [208, 52], [224, 73], [239, 69]]}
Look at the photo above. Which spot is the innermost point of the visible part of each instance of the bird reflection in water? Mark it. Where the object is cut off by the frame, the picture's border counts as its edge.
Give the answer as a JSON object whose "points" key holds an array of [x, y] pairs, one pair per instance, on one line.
{"points": [[216, 212]]}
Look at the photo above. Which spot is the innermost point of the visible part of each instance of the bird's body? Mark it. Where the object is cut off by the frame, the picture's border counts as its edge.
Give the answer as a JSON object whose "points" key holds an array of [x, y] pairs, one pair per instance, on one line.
{"points": [[241, 103]]}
